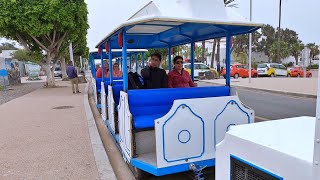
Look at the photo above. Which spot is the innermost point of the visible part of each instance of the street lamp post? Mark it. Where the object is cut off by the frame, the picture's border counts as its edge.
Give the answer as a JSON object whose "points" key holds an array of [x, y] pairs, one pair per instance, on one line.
{"points": [[250, 44], [279, 31]]}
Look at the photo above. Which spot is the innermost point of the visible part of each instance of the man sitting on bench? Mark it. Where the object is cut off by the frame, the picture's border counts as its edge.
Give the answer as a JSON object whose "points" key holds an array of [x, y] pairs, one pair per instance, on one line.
{"points": [[153, 76]]}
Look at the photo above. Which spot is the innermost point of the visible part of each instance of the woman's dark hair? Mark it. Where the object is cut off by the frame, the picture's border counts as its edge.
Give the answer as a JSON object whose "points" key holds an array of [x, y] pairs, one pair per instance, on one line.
{"points": [[175, 59], [157, 55]]}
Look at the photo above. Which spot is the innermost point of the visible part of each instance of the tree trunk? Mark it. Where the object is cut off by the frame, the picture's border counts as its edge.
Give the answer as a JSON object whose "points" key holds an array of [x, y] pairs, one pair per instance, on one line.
{"points": [[297, 59], [49, 71], [218, 50], [203, 50], [213, 52], [64, 69]]}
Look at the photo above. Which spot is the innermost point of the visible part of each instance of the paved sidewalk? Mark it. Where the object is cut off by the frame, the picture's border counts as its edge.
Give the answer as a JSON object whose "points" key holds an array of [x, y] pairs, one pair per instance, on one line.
{"points": [[40, 142], [304, 87]]}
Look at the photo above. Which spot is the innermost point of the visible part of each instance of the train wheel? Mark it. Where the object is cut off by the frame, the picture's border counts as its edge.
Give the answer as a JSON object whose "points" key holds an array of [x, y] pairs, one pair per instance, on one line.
{"points": [[138, 173]]}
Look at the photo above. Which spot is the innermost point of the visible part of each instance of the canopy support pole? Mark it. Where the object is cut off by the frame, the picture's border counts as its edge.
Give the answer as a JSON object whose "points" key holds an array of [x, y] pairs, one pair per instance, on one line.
{"points": [[110, 63], [169, 58], [316, 152], [192, 59], [102, 63], [142, 57], [92, 64], [136, 62], [124, 61], [130, 64], [228, 58]]}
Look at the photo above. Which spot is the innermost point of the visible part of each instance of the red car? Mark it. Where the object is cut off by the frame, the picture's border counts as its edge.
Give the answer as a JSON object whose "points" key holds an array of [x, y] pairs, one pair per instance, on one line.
{"points": [[240, 70], [297, 71]]}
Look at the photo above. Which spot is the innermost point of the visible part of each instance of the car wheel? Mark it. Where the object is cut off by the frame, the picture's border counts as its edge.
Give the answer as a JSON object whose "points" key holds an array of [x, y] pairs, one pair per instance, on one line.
{"points": [[289, 75], [298, 76], [255, 75], [310, 76], [272, 75], [236, 76]]}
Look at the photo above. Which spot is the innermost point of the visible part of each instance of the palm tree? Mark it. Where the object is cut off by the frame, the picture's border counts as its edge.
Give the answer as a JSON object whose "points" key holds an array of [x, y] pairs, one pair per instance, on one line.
{"points": [[230, 3], [314, 50], [227, 3]]}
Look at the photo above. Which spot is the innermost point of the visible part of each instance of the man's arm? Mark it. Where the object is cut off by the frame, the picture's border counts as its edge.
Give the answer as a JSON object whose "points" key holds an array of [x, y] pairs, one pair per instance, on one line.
{"points": [[75, 71], [145, 73], [164, 83]]}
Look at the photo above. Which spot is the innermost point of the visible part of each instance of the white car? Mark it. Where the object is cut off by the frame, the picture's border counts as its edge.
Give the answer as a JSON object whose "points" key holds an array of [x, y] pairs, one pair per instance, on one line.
{"points": [[198, 67], [57, 72], [272, 69]]}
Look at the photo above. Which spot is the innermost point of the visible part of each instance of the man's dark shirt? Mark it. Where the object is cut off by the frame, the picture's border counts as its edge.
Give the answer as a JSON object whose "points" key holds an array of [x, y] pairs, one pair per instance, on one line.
{"points": [[154, 78], [72, 72]]}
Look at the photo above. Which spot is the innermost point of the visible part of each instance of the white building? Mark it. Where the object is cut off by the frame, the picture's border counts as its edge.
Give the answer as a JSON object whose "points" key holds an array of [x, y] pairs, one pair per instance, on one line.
{"points": [[7, 54]]}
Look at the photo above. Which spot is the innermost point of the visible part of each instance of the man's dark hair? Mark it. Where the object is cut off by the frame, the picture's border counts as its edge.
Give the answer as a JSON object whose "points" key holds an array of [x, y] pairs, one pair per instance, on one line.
{"points": [[157, 55], [70, 63], [175, 59]]}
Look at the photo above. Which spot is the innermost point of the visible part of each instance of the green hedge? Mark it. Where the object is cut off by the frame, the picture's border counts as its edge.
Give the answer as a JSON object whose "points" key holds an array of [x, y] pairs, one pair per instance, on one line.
{"points": [[313, 66]]}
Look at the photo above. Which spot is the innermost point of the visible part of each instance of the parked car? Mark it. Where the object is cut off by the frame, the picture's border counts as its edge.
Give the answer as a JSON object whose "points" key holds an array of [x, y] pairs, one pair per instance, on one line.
{"points": [[198, 67], [240, 70], [297, 71], [273, 69], [57, 72]]}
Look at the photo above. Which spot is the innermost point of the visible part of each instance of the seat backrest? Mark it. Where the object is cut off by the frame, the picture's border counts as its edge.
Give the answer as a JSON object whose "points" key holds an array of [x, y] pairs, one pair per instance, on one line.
{"points": [[159, 101], [106, 83], [116, 93], [98, 84]]}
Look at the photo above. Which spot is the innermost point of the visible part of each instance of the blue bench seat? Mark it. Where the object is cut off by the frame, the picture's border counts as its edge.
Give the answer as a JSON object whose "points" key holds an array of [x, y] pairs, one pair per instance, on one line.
{"points": [[106, 83], [116, 93], [150, 104]]}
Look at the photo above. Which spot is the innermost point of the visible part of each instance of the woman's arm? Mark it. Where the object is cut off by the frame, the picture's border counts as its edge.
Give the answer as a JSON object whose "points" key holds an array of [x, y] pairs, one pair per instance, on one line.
{"points": [[191, 83], [170, 80]]}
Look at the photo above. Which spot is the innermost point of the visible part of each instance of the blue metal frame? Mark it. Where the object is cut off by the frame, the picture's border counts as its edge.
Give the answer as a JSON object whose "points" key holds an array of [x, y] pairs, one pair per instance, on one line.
{"points": [[124, 61], [169, 58], [142, 58], [171, 169], [192, 60], [102, 65], [136, 62], [130, 64], [110, 63], [254, 166], [228, 58]]}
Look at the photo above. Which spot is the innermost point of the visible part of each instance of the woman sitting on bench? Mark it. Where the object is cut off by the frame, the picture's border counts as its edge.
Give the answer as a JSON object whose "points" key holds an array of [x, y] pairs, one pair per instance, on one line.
{"points": [[179, 77], [116, 73]]}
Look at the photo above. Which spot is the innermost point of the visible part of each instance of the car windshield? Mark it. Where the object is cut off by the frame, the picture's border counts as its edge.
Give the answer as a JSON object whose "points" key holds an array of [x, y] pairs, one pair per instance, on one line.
{"points": [[57, 69], [187, 66], [262, 66]]}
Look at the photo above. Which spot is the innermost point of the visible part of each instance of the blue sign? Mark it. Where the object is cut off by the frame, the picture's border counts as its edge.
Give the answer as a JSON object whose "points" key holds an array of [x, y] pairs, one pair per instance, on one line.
{"points": [[3, 73]]}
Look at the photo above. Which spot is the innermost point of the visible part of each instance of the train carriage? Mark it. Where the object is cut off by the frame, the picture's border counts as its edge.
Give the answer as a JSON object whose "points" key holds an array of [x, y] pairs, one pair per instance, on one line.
{"points": [[170, 130]]}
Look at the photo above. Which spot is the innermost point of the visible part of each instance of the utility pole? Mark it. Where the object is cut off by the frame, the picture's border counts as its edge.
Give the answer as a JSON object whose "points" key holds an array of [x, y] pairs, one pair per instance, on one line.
{"points": [[250, 44], [279, 31]]}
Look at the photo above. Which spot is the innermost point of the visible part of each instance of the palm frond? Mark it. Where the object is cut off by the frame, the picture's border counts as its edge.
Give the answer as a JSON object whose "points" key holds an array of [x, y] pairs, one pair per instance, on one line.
{"points": [[230, 3]]}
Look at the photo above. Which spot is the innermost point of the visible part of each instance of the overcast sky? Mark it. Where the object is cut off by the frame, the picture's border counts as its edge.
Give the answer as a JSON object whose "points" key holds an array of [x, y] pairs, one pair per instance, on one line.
{"points": [[298, 15]]}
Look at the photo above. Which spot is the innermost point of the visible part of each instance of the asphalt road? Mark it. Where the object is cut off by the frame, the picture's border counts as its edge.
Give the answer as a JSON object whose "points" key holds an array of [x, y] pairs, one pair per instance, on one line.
{"points": [[272, 106]]}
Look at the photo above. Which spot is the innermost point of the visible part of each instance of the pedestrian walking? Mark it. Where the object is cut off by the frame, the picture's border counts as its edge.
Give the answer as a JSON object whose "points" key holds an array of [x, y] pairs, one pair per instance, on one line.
{"points": [[218, 69], [73, 76]]}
